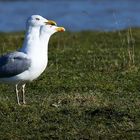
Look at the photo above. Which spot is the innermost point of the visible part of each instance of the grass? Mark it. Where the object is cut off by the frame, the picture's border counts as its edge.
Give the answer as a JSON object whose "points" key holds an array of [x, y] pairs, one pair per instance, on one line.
{"points": [[90, 89]]}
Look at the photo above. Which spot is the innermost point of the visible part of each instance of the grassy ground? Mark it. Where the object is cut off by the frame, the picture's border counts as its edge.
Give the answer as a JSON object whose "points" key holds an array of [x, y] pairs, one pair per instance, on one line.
{"points": [[90, 89]]}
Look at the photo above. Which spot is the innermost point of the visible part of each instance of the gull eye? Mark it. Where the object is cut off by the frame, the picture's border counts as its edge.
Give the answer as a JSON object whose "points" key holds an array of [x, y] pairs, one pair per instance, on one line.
{"points": [[37, 18]]}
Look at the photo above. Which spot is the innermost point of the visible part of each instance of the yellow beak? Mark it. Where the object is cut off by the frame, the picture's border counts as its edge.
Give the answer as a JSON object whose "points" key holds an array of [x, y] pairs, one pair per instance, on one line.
{"points": [[50, 22], [60, 29]]}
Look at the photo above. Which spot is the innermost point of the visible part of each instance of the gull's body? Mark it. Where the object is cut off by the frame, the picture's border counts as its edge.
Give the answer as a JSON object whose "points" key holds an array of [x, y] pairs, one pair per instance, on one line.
{"points": [[30, 61]]}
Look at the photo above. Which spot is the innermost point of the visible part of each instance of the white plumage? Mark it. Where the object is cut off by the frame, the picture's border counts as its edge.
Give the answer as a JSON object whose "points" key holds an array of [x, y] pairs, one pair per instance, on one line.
{"points": [[30, 61]]}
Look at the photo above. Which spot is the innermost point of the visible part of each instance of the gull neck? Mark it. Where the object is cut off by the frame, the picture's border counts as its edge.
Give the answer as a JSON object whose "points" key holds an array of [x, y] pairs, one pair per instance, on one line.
{"points": [[31, 38]]}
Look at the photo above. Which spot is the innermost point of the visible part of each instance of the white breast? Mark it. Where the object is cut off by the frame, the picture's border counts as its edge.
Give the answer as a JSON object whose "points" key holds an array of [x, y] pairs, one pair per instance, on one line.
{"points": [[38, 65]]}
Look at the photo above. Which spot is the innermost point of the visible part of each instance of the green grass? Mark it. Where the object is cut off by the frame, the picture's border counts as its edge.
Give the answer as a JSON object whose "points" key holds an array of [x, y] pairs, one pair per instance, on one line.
{"points": [[90, 89]]}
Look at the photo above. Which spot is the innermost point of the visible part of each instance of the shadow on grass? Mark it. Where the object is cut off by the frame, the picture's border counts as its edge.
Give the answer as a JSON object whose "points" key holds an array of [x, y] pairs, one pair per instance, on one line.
{"points": [[108, 113]]}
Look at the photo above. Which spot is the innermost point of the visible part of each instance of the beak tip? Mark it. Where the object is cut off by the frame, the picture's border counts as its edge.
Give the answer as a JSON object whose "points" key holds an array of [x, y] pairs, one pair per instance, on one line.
{"points": [[60, 29]]}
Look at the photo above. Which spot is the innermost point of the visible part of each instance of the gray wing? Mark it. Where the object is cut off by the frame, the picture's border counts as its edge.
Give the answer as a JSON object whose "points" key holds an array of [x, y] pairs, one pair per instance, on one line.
{"points": [[13, 63]]}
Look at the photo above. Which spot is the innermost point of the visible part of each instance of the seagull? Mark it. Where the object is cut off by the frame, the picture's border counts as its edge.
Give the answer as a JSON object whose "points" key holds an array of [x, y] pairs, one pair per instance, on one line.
{"points": [[29, 62]]}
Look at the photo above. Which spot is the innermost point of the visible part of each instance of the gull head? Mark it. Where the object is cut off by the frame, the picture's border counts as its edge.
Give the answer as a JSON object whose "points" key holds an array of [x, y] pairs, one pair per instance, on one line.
{"points": [[37, 21], [51, 29]]}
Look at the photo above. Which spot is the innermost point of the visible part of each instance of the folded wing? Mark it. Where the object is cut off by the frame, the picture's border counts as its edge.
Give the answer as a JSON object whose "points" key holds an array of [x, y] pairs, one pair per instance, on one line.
{"points": [[13, 64]]}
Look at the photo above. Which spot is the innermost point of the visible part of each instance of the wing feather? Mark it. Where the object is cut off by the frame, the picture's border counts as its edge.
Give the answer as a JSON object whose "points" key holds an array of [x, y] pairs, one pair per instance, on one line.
{"points": [[13, 63]]}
